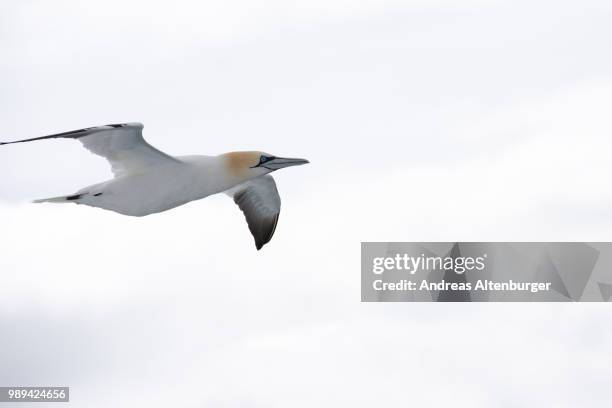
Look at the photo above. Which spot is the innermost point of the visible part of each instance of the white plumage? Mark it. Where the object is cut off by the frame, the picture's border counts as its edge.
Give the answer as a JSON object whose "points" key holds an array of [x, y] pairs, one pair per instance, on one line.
{"points": [[148, 181]]}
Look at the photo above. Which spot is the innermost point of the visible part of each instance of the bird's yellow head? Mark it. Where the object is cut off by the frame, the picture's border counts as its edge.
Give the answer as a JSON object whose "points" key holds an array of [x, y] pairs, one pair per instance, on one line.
{"points": [[252, 164]]}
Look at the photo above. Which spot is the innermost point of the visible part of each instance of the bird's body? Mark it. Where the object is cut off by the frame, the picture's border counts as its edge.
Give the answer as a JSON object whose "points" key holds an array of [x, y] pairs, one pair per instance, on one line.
{"points": [[160, 188], [148, 181]]}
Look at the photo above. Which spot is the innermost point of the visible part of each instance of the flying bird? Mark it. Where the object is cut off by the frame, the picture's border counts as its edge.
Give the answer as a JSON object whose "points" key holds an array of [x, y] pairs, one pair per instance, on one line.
{"points": [[148, 181]]}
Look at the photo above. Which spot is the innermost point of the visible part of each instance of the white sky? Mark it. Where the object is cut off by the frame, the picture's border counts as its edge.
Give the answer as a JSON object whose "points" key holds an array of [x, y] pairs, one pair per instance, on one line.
{"points": [[423, 120]]}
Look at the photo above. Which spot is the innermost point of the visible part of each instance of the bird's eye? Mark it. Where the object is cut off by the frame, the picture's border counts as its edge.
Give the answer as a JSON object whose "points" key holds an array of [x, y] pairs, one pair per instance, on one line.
{"points": [[264, 159]]}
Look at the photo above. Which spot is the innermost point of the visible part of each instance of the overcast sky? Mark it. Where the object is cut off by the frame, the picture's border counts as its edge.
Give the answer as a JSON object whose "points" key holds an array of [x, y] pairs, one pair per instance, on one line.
{"points": [[423, 120]]}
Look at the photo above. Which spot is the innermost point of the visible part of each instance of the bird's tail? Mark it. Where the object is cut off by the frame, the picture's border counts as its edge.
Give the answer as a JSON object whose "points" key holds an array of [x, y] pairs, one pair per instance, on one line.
{"points": [[60, 199]]}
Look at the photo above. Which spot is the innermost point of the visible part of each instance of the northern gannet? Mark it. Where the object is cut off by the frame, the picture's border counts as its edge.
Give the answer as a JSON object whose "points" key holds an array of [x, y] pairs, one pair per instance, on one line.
{"points": [[148, 181]]}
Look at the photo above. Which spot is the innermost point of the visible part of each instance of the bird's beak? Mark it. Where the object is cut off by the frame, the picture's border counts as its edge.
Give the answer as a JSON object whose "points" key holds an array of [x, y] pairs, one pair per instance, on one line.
{"points": [[281, 162]]}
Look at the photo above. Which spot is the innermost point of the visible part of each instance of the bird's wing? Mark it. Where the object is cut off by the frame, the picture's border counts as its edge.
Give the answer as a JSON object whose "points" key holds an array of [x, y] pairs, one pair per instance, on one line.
{"points": [[121, 144], [259, 201]]}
